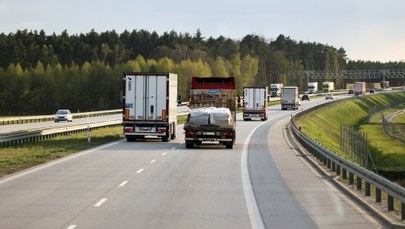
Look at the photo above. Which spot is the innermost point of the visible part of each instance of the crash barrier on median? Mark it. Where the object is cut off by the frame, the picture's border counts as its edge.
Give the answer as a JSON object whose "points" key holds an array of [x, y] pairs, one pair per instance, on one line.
{"points": [[46, 118], [349, 171], [31, 136]]}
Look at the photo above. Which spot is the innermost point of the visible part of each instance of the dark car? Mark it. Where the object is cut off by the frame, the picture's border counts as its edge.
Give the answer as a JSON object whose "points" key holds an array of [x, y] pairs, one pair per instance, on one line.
{"points": [[372, 91], [305, 97], [351, 91]]}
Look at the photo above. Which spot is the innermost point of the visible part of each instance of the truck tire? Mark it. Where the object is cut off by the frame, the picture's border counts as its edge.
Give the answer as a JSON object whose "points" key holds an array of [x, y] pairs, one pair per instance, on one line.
{"points": [[229, 145], [166, 138], [173, 135], [189, 144], [130, 138]]}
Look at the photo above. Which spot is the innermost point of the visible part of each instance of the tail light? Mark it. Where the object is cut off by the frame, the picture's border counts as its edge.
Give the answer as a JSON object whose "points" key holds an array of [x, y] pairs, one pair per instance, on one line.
{"points": [[189, 133], [129, 129], [228, 133], [161, 130]]}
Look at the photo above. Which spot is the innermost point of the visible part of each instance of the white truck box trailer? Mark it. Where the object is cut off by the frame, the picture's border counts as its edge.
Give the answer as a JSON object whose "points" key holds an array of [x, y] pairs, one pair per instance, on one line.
{"points": [[328, 86], [312, 87], [289, 98], [150, 105], [255, 103], [359, 88], [275, 89]]}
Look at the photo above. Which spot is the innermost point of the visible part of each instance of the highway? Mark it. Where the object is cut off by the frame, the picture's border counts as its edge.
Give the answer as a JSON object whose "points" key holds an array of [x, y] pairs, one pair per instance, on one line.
{"points": [[261, 183]]}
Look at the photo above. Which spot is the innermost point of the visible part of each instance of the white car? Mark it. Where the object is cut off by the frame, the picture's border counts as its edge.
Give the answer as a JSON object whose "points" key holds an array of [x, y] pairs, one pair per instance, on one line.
{"points": [[63, 115], [329, 96]]}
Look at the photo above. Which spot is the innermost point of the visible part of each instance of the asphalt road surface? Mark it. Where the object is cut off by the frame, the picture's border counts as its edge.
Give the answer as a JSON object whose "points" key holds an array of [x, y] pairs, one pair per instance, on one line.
{"points": [[261, 183]]}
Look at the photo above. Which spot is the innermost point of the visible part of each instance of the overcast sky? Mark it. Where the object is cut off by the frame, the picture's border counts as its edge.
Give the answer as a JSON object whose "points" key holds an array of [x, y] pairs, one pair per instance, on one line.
{"points": [[366, 29]]}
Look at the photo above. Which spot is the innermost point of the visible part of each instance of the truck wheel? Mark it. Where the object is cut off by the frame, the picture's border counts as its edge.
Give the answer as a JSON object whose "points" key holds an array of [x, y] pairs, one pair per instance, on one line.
{"points": [[189, 144], [229, 145], [173, 135], [165, 138], [130, 138]]}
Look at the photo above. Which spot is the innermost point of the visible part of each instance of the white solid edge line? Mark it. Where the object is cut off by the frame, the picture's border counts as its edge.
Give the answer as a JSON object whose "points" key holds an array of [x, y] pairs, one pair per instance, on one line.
{"points": [[101, 202], [256, 220], [72, 227], [58, 161]]}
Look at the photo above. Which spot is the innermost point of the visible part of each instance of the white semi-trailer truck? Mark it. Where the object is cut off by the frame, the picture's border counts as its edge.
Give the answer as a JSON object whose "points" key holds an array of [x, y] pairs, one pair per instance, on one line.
{"points": [[275, 89], [312, 87], [289, 98], [150, 105], [255, 103]]}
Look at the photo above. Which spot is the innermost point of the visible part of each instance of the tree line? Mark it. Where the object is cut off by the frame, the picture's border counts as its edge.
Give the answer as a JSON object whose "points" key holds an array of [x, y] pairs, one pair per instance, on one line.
{"points": [[40, 73]]}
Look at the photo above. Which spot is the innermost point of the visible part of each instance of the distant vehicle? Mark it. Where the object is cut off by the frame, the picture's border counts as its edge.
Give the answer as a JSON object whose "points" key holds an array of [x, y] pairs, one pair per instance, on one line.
{"points": [[385, 84], [359, 88], [328, 86], [289, 98], [351, 91], [372, 91], [275, 89], [305, 97], [255, 103], [312, 87], [63, 115], [329, 96]]}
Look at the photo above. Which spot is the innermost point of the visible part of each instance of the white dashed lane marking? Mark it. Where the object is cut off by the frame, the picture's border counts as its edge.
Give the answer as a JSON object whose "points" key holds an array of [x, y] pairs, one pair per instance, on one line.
{"points": [[101, 202], [139, 171], [123, 184]]}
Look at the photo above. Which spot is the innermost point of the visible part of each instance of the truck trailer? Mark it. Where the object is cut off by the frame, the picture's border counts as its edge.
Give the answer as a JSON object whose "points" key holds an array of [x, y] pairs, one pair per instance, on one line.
{"points": [[150, 105], [212, 117], [359, 88], [328, 86], [312, 87], [255, 103], [289, 98]]}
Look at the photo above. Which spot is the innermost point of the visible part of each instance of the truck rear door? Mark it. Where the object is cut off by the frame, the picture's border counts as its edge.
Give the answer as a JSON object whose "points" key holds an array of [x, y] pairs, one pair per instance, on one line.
{"points": [[156, 97], [129, 97]]}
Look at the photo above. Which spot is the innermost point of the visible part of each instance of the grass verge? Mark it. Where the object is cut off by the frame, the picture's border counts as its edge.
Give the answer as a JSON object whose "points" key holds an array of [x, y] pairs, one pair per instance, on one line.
{"points": [[17, 158]]}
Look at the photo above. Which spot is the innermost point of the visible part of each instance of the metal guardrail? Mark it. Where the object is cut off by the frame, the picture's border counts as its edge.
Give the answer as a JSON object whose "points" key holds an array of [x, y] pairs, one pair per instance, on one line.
{"points": [[35, 135], [348, 170], [45, 118]]}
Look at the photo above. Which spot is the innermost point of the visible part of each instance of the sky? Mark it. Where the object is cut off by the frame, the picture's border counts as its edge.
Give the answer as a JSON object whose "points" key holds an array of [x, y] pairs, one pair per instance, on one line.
{"points": [[367, 29]]}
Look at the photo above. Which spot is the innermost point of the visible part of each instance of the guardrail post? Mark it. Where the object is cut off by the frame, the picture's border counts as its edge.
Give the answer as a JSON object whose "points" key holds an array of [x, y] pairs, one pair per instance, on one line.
{"points": [[402, 211], [390, 203], [368, 189], [344, 174], [377, 195], [359, 183], [351, 178], [333, 167], [337, 170]]}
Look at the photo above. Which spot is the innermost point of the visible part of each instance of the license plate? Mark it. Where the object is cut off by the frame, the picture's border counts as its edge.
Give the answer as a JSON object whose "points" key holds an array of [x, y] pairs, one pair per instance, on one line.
{"points": [[145, 129], [208, 133]]}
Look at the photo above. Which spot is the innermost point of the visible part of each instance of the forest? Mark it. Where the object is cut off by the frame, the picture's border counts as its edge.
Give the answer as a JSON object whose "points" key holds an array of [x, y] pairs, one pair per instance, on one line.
{"points": [[41, 73]]}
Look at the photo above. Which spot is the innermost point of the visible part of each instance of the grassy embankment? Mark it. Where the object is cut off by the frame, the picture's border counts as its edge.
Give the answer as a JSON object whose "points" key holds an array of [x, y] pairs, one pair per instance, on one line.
{"points": [[323, 125]]}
